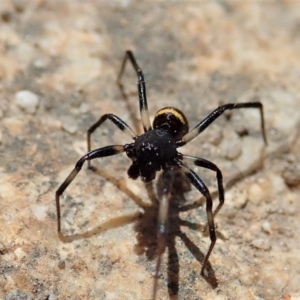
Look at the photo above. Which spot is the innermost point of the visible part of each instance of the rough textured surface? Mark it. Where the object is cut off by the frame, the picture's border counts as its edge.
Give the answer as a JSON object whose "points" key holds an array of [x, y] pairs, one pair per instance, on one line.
{"points": [[195, 57]]}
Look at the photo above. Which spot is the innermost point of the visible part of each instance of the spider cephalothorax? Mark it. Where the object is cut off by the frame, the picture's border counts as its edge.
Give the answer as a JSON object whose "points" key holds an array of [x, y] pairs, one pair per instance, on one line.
{"points": [[156, 148]]}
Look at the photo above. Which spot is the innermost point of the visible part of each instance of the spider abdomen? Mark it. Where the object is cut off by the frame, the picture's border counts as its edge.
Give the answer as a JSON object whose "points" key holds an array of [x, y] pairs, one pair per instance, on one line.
{"points": [[172, 120], [152, 151]]}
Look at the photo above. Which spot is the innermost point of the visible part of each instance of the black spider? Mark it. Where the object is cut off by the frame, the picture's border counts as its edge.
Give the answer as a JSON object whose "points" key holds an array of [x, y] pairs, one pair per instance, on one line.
{"points": [[155, 150]]}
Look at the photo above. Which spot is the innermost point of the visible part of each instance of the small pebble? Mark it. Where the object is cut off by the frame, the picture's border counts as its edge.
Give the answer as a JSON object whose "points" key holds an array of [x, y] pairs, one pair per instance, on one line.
{"points": [[3, 250], [231, 146], [266, 227], [291, 174], [237, 198], [20, 253], [241, 199], [273, 209], [40, 64], [69, 125], [62, 264], [240, 126], [278, 184], [255, 194], [84, 108], [27, 100], [40, 211], [260, 243], [214, 136]]}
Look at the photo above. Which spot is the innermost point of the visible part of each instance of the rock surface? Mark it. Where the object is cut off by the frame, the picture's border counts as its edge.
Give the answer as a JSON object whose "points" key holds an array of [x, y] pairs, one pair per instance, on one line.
{"points": [[195, 56]]}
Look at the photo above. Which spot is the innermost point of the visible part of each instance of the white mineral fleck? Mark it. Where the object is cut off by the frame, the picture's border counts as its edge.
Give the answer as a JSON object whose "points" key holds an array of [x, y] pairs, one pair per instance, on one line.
{"points": [[40, 64], [266, 227], [39, 211], [27, 100]]}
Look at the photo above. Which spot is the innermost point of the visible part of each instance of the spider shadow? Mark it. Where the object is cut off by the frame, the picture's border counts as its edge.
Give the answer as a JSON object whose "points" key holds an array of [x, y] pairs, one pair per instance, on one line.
{"points": [[146, 228], [113, 223]]}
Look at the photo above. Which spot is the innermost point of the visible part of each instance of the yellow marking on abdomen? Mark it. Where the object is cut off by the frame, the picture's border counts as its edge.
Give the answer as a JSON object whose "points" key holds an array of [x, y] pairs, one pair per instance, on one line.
{"points": [[173, 111]]}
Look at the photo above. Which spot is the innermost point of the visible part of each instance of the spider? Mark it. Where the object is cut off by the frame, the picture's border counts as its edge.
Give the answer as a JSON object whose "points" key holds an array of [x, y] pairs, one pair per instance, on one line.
{"points": [[156, 150]]}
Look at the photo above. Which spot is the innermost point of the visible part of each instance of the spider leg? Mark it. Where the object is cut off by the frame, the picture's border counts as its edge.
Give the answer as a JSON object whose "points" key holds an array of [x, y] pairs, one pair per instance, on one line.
{"points": [[201, 187], [101, 152], [117, 121], [141, 88], [216, 113], [164, 196], [201, 162]]}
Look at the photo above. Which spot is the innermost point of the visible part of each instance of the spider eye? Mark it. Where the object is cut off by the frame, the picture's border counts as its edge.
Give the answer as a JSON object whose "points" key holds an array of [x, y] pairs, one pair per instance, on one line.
{"points": [[172, 120]]}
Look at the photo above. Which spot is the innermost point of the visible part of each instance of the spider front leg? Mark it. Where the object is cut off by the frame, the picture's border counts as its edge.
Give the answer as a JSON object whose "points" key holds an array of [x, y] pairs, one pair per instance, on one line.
{"points": [[101, 152], [117, 121], [141, 88], [218, 112], [201, 162], [201, 187]]}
